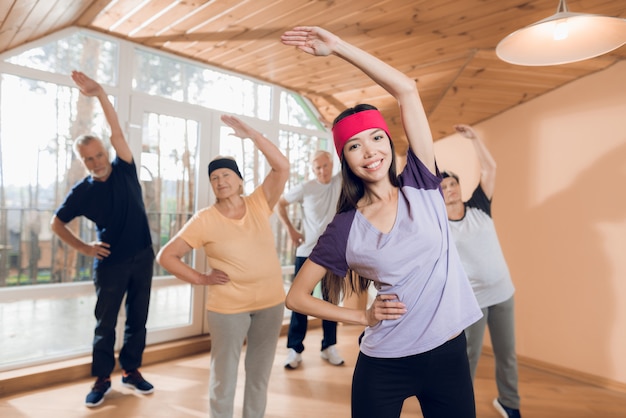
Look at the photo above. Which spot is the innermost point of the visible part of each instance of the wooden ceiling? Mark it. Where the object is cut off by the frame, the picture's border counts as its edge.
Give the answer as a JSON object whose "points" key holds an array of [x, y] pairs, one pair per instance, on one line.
{"points": [[447, 46]]}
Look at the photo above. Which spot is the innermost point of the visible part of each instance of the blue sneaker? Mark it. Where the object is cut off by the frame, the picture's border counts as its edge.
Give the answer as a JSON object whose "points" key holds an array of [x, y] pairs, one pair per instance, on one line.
{"points": [[135, 380], [98, 390], [505, 411]]}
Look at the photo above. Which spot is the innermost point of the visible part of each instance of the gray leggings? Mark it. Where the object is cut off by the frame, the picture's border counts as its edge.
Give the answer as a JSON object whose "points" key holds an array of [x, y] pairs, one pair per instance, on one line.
{"points": [[501, 321], [261, 329]]}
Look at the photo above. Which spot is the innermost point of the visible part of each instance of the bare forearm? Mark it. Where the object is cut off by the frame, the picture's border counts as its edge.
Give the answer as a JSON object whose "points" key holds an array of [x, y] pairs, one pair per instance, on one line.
{"points": [[118, 141], [321, 309], [276, 179], [392, 80], [109, 113], [486, 160], [281, 211], [300, 299], [67, 236], [176, 267], [275, 158]]}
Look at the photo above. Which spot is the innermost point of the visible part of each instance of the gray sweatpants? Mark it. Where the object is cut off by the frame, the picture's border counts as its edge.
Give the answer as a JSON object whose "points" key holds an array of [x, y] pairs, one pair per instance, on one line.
{"points": [[501, 322], [261, 329]]}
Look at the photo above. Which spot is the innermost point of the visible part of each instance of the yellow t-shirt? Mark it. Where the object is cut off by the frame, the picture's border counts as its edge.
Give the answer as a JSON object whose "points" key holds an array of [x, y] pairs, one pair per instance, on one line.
{"points": [[242, 248]]}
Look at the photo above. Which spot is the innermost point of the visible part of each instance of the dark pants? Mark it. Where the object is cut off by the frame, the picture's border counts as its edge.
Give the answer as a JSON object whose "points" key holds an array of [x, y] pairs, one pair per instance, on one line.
{"points": [[133, 278], [298, 324], [439, 378]]}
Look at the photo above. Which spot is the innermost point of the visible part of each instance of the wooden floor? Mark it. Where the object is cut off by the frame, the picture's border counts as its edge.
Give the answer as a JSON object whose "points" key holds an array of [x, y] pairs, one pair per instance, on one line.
{"points": [[315, 390]]}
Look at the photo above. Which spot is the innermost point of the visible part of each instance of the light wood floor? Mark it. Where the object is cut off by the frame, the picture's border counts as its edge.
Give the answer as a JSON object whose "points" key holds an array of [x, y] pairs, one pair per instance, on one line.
{"points": [[315, 390]]}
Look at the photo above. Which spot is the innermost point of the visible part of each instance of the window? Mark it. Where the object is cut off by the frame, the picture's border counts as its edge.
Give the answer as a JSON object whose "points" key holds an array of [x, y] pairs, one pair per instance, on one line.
{"points": [[39, 126], [168, 174], [89, 52], [294, 111], [46, 294], [178, 80]]}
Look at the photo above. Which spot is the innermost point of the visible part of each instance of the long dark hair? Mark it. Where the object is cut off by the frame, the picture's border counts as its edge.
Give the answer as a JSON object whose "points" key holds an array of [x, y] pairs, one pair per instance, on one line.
{"points": [[352, 190]]}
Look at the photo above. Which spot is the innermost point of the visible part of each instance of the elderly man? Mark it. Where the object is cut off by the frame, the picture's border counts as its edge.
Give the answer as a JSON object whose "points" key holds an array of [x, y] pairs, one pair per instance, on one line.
{"points": [[318, 198]]}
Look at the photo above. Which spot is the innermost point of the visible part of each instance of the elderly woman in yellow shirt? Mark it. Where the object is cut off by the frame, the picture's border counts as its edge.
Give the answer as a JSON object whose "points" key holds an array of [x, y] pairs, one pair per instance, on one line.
{"points": [[245, 290]]}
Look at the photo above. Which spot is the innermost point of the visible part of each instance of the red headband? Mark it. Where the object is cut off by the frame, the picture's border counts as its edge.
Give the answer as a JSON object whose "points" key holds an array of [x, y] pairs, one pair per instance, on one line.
{"points": [[351, 125]]}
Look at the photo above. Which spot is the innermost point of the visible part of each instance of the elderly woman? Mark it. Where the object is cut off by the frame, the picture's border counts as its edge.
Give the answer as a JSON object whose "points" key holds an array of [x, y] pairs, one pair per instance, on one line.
{"points": [[245, 290]]}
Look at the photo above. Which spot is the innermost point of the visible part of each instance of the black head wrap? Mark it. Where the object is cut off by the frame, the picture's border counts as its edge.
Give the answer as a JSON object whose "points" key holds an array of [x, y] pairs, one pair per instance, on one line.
{"points": [[224, 163], [446, 174]]}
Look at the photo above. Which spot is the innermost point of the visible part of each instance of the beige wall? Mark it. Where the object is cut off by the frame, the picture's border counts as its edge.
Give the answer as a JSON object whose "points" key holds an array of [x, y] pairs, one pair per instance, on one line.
{"points": [[560, 210]]}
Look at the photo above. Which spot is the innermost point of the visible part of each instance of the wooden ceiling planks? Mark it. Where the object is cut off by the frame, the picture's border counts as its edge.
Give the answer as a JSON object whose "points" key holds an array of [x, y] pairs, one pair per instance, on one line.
{"points": [[111, 18], [14, 21], [91, 9], [447, 46]]}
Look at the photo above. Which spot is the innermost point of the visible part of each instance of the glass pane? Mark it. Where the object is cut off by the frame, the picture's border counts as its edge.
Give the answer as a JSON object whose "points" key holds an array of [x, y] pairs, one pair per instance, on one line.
{"points": [[168, 174], [295, 112], [29, 193], [49, 328], [170, 306], [158, 75], [228, 93], [167, 77], [81, 51], [45, 328]]}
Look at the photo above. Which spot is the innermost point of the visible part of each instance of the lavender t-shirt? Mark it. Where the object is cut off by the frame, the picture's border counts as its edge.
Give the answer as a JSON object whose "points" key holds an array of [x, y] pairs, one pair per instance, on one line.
{"points": [[416, 260]]}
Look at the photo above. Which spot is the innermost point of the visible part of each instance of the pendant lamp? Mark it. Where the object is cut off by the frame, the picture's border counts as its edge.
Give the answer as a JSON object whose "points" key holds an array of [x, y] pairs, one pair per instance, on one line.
{"points": [[563, 38]]}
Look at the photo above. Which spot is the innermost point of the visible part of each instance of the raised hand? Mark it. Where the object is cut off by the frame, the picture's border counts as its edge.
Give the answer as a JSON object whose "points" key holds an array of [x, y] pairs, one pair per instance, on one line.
{"points": [[311, 39], [242, 129], [466, 131], [87, 86]]}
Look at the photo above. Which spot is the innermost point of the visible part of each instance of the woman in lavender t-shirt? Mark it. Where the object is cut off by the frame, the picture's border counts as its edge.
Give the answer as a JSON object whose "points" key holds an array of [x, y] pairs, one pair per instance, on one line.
{"points": [[391, 230]]}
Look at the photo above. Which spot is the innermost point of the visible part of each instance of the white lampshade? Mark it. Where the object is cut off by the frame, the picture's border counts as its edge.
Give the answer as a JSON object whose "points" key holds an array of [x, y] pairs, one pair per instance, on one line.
{"points": [[562, 38]]}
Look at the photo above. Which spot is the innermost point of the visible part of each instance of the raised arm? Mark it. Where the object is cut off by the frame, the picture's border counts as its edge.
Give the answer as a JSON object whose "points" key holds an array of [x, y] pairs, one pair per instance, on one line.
{"points": [[91, 88], [320, 42], [275, 181], [487, 163]]}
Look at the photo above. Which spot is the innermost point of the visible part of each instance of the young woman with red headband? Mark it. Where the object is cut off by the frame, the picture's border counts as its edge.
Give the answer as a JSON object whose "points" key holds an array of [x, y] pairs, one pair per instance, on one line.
{"points": [[391, 230]]}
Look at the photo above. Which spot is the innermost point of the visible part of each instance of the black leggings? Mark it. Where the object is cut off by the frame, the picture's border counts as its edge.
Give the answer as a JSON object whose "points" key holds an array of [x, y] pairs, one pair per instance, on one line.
{"points": [[439, 378]]}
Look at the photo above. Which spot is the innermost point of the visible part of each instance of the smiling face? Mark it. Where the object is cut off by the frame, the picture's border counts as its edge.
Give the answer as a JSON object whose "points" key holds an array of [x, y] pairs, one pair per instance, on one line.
{"points": [[95, 159], [225, 183], [369, 155]]}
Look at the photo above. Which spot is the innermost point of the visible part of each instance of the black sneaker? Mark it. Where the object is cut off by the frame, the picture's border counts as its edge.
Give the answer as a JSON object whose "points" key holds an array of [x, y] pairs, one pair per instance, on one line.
{"points": [[505, 411], [98, 390], [135, 380]]}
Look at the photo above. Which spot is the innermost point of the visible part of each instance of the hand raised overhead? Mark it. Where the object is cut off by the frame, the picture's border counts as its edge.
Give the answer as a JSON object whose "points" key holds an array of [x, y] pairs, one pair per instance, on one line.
{"points": [[311, 39], [87, 86]]}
